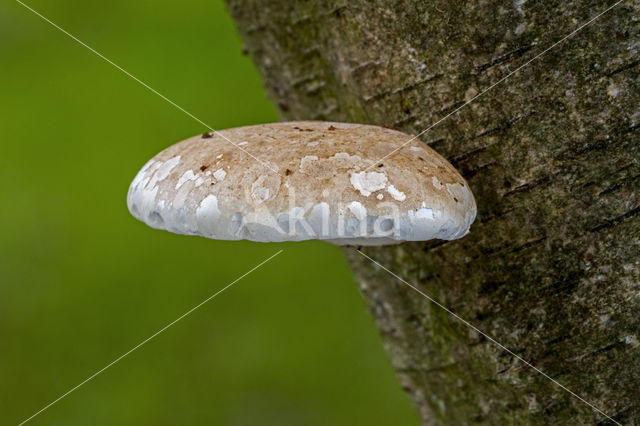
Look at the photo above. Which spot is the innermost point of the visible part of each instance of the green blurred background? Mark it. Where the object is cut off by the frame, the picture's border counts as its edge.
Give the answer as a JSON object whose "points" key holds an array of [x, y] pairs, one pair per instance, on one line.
{"points": [[82, 282]]}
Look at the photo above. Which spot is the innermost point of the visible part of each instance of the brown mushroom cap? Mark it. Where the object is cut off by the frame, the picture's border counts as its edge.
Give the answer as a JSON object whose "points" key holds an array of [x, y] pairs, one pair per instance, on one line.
{"points": [[307, 180]]}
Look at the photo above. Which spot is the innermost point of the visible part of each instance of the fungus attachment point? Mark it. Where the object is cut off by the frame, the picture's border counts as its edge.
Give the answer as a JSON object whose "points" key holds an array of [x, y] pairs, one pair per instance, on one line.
{"points": [[308, 184]]}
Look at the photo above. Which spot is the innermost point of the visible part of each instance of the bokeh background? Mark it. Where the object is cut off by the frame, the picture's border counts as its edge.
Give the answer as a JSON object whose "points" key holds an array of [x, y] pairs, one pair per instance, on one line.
{"points": [[82, 282]]}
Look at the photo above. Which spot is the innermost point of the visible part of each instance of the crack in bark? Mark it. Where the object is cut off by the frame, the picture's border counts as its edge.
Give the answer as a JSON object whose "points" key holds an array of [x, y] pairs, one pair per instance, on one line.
{"points": [[527, 186], [623, 68], [403, 89], [617, 220], [619, 185], [506, 57]]}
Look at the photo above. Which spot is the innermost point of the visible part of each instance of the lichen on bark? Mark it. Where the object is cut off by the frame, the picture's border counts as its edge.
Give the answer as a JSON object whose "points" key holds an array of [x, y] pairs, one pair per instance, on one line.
{"points": [[551, 268]]}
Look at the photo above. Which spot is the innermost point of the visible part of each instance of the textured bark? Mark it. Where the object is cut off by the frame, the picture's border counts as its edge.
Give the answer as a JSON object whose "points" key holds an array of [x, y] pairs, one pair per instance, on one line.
{"points": [[552, 266]]}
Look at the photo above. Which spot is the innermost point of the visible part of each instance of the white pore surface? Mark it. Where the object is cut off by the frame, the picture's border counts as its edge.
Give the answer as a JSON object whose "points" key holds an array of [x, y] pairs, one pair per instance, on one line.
{"points": [[349, 224]]}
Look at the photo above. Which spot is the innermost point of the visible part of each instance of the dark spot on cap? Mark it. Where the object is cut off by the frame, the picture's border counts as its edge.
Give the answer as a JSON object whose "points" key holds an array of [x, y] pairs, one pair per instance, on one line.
{"points": [[287, 172], [203, 168], [207, 135], [455, 199], [297, 128], [380, 165], [308, 130], [331, 128]]}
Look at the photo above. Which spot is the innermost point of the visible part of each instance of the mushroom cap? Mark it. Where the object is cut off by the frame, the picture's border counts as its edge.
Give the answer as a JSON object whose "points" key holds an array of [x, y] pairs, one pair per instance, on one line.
{"points": [[306, 180]]}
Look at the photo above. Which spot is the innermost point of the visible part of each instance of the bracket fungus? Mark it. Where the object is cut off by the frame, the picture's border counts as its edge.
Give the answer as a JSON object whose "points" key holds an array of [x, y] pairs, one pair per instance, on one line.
{"points": [[306, 180]]}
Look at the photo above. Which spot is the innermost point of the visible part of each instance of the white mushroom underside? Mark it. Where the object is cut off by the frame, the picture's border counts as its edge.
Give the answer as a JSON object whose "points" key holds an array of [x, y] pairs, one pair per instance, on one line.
{"points": [[351, 224], [299, 224]]}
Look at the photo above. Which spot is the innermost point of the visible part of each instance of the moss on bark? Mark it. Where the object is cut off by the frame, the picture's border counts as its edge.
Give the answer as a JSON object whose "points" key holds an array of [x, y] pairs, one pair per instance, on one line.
{"points": [[552, 266]]}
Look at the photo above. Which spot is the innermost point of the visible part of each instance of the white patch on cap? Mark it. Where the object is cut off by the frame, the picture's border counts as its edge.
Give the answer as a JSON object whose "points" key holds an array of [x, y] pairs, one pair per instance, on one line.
{"points": [[162, 171], [186, 176], [165, 169], [219, 156], [220, 174], [358, 210], [243, 143], [342, 155], [148, 197], [145, 173], [208, 210], [424, 213], [398, 195], [144, 189], [380, 196], [368, 182], [436, 183], [180, 198]]}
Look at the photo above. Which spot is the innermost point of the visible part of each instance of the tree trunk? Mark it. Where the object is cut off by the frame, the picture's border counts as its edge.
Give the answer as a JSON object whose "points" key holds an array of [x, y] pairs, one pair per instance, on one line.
{"points": [[552, 265]]}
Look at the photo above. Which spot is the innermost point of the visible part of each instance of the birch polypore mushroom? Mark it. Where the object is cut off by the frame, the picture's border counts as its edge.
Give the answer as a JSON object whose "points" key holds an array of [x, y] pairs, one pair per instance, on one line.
{"points": [[304, 180]]}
